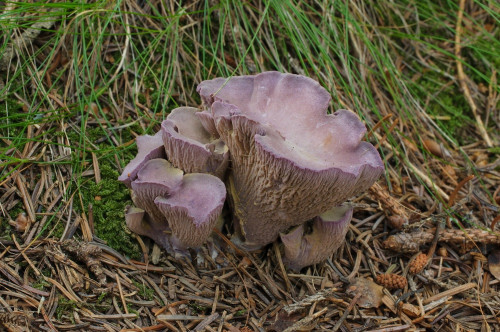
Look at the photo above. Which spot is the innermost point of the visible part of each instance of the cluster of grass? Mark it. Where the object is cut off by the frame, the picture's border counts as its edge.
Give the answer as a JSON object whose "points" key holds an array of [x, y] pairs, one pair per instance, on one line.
{"points": [[104, 72]]}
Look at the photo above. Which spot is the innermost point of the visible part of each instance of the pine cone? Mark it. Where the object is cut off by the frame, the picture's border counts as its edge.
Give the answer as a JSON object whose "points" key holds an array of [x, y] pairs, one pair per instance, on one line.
{"points": [[418, 264], [392, 281]]}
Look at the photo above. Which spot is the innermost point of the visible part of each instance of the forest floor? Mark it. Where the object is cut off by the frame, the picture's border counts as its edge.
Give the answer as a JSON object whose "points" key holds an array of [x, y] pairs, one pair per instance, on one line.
{"points": [[80, 81]]}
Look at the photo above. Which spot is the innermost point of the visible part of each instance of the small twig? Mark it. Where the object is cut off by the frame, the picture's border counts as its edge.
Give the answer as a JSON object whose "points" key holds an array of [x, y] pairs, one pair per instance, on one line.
{"points": [[450, 292], [37, 272], [378, 124], [410, 242], [432, 249], [120, 290], [88, 254], [494, 222], [282, 268], [229, 243], [28, 204], [4, 252], [307, 301], [392, 329], [306, 322], [459, 186], [204, 323], [346, 312], [389, 204], [428, 181], [389, 130]]}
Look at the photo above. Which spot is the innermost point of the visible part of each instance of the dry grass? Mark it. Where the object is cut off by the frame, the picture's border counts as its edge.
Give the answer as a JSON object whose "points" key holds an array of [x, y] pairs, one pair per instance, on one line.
{"points": [[79, 82]]}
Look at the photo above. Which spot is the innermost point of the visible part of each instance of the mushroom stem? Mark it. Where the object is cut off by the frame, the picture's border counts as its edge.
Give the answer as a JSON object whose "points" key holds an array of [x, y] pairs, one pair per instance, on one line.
{"points": [[140, 223]]}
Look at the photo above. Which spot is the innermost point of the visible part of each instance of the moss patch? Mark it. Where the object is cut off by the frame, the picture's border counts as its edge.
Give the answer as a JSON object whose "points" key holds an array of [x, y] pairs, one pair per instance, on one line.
{"points": [[445, 103], [109, 198], [144, 291]]}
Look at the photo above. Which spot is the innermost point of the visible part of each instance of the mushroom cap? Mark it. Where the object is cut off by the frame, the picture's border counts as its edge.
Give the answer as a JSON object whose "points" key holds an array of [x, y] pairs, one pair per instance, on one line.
{"points": [[207, 121], [328, 233], [291, 160], [149, 147], [189, 146], [193, 210], [184, 206], [156, 178], [295, 107]]}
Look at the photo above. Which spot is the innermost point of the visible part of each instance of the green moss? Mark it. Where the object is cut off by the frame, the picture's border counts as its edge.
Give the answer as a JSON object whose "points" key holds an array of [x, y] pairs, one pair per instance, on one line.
{"points": [[445, 103], [101, 297], [5, 229], [144, 291], [104, 302], [109, 198], [240, 313], [131, 309], [65, 307], [41, 284], [198, 308], [58, 229]]}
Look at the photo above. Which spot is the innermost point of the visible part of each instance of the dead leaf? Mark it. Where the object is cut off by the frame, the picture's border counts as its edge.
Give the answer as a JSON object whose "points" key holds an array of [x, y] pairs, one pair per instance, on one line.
{"points": [[284, 321], [21, 223], [397, 222], [371, 293], [436, 148]]}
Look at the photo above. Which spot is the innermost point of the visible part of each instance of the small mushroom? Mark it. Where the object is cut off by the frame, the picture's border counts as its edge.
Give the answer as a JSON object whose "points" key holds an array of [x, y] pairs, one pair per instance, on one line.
{"points": [[193, 210], [149, 147], [328, 233], [189, 146], [179, 211], [157, 178]]}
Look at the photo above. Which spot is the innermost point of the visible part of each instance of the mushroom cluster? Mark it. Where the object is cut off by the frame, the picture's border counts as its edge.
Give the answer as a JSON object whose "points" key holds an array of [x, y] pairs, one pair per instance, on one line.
{"points": [[287, 167]]}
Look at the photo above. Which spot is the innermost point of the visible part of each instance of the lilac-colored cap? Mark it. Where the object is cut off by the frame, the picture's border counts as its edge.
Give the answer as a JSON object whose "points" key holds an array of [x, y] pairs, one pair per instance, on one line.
{"points": [[191, 147], [290, 160]]}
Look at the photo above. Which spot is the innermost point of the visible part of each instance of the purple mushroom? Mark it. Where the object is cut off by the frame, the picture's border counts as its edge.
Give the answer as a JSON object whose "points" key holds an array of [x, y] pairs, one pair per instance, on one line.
{"points": [[149, 147], [191, 147], [290, 160], [139, 222], [192, 212], [328, 233], [177, 211]]}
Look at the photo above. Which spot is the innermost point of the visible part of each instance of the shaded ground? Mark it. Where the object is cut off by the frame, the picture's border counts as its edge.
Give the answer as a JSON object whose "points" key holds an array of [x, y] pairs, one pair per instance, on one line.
{"points": [[79, 82]]}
